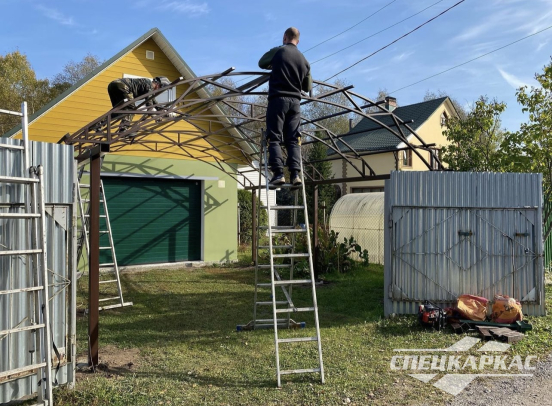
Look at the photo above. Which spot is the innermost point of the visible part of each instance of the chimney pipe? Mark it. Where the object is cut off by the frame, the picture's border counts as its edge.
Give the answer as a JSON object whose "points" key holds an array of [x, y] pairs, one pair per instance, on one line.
{"points": [[390, 103]]}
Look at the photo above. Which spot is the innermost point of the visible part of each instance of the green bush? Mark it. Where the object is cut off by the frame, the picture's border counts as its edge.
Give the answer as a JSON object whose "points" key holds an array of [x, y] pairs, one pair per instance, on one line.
{"points": [[336, 256], [246, 213]]}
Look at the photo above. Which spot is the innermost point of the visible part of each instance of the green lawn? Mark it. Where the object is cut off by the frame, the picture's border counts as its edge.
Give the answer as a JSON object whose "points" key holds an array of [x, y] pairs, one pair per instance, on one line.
{"points": [[183, 323]]}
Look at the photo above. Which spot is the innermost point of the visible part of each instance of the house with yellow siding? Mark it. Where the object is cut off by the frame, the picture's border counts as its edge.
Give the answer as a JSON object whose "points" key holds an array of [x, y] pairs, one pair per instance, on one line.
{"points": [[427, 119], [164, 207]]}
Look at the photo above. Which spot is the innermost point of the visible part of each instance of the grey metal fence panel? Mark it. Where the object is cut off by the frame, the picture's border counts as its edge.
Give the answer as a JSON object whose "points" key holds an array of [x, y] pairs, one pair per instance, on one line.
{"points": [[58, 164], [463, 233]]}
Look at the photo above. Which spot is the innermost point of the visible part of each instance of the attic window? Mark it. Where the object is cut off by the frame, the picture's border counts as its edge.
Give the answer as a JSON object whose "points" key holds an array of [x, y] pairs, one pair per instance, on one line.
{"points": [[150, 55], [444, 118]]}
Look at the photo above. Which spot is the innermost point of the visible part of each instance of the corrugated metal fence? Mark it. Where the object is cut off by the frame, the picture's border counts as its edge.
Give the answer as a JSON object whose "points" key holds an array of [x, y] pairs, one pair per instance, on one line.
{"points": [[450, 233], [59, 174]]}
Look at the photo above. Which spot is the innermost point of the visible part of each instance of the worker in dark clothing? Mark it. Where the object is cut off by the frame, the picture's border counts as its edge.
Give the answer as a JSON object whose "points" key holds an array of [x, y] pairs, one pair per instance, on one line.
{"points": [[289, 77], [125, 89]]}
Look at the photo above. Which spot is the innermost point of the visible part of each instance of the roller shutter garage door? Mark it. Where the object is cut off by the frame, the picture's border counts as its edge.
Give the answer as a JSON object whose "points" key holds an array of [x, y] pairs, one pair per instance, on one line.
{"points": [[152, 220]]}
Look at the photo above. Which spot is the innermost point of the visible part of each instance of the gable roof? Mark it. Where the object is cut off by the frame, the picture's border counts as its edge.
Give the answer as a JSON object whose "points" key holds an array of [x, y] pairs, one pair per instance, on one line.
{"points": [[156, 35], [370, 136]]}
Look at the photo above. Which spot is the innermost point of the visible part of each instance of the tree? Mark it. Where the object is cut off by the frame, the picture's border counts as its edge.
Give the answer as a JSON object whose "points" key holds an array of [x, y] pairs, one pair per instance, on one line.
{"points": [[476, 140], [18, 83], [530, 149], [462, 113], [73, 72]]}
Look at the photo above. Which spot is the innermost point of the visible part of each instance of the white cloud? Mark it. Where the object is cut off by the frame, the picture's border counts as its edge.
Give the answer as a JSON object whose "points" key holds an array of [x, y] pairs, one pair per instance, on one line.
{"points": [[512, 80], [401, 57], [179, 6], [541, 45], [56, 15]]}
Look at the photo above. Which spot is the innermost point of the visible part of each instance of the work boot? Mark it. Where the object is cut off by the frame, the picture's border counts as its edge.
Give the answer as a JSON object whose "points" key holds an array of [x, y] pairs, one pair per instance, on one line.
{"points": [[295, 178], [277, 180]]}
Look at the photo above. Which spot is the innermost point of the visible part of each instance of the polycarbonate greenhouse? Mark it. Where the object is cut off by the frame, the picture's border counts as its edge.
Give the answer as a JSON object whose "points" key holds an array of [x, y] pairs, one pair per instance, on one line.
{"points": [[360, 215]]}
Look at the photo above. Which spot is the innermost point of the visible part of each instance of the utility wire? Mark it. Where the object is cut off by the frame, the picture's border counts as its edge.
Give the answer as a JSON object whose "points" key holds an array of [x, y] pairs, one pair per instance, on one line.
{"points": [[471, 60], [379, 32], [398, 39], [350, 28]]}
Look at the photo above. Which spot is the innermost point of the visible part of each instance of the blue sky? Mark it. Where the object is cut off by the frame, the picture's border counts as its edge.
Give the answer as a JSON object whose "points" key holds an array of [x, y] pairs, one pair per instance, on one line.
{"points": [[212, 35]]}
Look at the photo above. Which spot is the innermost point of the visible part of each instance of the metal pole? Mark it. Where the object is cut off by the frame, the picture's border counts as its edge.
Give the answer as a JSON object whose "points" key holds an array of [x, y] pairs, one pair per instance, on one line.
{"points": [[254, 225], [25, 133], [94, 259], [315, 232]]}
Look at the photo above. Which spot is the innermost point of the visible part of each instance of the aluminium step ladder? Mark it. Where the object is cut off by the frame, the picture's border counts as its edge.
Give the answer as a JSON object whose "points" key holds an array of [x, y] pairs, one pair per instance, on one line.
{"points": [[280, 264], [26, 223], [110, 276]]}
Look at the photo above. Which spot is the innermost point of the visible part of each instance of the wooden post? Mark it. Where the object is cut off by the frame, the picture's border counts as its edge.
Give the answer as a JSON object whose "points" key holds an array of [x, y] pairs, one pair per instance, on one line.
{"points": [[254, 226], [94, 259], [316, 248]]}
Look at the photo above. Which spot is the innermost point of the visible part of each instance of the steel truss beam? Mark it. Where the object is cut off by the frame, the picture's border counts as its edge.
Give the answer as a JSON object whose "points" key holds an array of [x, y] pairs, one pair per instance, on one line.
{"points": [[225, 125]]}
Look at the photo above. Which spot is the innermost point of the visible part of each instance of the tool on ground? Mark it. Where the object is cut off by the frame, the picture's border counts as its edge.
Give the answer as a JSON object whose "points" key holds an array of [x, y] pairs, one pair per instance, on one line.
{"points": [[430, 315]]}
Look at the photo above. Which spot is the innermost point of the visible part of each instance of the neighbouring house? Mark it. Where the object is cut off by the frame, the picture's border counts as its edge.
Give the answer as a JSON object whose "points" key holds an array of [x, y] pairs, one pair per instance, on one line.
{"points": [[427, 119], [163, 207]]}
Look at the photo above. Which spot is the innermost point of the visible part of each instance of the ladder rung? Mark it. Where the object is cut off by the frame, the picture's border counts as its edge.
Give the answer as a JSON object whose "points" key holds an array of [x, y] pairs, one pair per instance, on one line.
{"points": [[299, 371], [283, 207], [5, 374], [84, 185], [276, 246], [19, 329], [284, 230], [20, 252], [8, 292], [9, 146], [293, 282], [109, 298], [101, 215], [279, 302], [109, 281], [19, 215], [115, 306], [275, 266], [106, 265], [105, 248], [271, 321], [297, 339], [11, 179], [293, 255], [295, 309], [104, 232]]}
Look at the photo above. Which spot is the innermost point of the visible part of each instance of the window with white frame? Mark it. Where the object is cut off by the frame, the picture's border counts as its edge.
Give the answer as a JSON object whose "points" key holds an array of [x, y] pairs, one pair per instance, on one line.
{"points": [[406, 157]]}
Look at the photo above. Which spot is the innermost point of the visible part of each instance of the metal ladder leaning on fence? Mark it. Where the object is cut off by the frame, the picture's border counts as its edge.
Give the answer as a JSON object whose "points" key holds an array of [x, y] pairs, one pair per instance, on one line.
{"points": [[35, 326], [282, 284], [82, 244]]}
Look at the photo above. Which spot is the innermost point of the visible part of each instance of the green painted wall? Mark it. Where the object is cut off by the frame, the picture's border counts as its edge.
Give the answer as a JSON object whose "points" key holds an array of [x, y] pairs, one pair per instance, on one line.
{"points": [[220, 202]]}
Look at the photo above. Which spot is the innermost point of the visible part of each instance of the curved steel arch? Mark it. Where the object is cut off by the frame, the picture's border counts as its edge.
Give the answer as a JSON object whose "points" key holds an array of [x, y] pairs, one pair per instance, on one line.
{"points": [[225, 125]]}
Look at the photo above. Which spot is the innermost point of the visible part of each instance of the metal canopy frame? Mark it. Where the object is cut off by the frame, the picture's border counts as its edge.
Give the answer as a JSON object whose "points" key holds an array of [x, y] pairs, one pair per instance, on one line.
{"points": [[225, 126]]}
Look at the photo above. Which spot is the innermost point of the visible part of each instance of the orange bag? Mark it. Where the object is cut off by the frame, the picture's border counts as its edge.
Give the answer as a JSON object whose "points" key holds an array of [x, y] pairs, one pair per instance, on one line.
{"points": [[506, 310], [472, 307]]}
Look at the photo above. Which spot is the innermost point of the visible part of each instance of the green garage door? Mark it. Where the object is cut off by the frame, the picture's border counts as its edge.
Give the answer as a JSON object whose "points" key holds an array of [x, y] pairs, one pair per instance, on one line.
{"points": [[153, 220]]}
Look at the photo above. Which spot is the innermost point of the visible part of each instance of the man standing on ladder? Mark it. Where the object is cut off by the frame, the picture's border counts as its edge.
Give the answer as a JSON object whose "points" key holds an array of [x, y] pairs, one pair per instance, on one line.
{"points": [[290, 75]]}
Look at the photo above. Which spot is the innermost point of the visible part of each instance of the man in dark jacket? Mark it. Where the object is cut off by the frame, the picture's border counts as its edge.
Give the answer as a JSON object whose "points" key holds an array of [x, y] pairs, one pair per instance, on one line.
{"points": [[290, 75], [125, 89]]}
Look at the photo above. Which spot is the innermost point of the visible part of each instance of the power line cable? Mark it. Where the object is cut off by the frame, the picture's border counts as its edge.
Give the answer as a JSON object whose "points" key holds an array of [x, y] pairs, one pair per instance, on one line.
{"points": [[350, 28], [471, 60], [398, 39], [379, 32]]}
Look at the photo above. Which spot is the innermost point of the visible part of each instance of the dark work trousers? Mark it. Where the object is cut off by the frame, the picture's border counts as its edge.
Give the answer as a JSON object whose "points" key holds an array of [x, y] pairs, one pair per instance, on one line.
{"points": [[118, 92], [283, 117]]}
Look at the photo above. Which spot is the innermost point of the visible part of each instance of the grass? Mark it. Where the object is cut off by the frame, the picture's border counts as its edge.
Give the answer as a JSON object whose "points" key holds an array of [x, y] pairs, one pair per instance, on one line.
{"points": [[183, 323]]}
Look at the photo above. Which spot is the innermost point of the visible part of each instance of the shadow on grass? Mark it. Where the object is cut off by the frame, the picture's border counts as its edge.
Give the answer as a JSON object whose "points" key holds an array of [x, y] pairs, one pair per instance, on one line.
{"points": [[201, 305]]}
